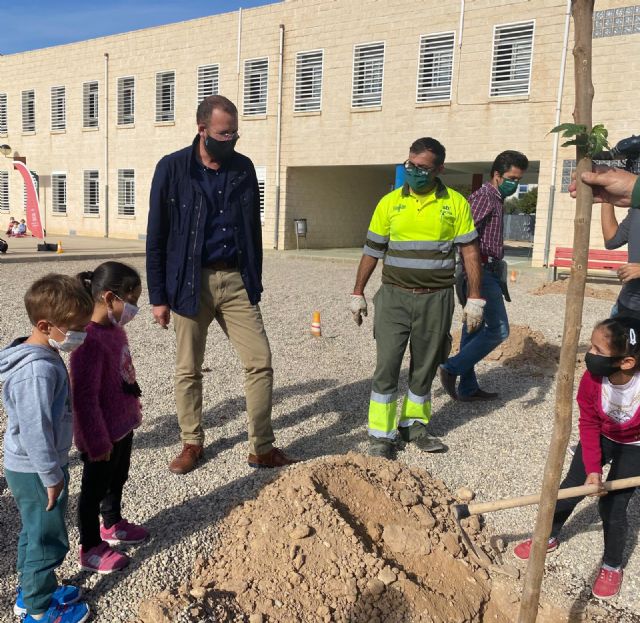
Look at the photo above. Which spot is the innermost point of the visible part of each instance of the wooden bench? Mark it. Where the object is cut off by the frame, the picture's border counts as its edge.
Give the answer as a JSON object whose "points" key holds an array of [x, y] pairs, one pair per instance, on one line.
{"points": [[598, 259]]}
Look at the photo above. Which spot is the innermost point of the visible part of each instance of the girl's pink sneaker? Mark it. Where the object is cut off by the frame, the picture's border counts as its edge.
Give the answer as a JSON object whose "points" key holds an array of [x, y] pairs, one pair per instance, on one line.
{"points": [[102, 559], [123, 532]]}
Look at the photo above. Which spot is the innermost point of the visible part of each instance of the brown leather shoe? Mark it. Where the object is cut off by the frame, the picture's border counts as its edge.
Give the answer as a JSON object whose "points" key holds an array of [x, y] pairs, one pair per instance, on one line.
{"points": [[186, 460], [274, 458]]}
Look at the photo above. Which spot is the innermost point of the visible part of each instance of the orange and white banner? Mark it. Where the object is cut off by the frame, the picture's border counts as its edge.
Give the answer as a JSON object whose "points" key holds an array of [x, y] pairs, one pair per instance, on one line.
{"points": [[33, 205]]}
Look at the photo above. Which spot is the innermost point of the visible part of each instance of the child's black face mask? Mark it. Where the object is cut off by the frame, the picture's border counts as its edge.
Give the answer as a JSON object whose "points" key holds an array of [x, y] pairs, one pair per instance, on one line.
{"points": [[599, 365]]}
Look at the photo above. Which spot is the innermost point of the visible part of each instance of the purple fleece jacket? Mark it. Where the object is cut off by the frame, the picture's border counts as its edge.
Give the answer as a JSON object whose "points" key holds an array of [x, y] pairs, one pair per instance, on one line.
{"points": [[102, 412]]}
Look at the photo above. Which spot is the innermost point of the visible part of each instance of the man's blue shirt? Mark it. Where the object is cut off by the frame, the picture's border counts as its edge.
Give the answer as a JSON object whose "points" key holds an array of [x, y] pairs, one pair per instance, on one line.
{"points": [[219, 244]]}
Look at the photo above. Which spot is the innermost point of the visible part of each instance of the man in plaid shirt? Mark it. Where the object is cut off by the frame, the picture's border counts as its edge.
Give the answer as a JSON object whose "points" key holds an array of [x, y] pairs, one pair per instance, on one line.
{"points": [[487, 205]]}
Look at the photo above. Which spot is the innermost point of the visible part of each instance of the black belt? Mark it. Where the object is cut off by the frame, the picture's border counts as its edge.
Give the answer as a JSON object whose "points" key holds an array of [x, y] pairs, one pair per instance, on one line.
{"points": [[420, 290]]}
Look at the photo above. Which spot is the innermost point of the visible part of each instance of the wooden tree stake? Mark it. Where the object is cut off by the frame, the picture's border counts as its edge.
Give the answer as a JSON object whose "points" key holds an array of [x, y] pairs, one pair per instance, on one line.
{"points": [[582, 11]]}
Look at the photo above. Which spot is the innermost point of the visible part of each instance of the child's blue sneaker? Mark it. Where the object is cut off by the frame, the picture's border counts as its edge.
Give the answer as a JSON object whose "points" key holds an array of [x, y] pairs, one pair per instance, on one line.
{"points": [[63, 596], [73, 613]]}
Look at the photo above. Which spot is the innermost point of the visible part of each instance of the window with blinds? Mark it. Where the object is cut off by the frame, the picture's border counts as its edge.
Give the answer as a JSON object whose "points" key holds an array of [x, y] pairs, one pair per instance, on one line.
{"points": [[512, 57], [256, 73], [58, 108], [36, 183], [4, 128], [435, 67], [29, 111], [208, 81], [261, 174], [308, 91], [91, 192], [368, 70], [4, 191], [126, 192], [90, 104], [126, 100], [59, 193], [165, 95]]}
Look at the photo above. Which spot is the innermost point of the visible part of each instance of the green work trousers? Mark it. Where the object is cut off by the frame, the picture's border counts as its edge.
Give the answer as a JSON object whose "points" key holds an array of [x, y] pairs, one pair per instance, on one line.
{"points": [[422, 320]]}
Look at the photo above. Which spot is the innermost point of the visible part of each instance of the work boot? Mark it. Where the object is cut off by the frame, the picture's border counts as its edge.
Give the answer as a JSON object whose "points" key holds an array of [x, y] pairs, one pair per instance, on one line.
{"points": [[448, 381], [274, 458], [186, 460], [381, 447], [417, 434]]}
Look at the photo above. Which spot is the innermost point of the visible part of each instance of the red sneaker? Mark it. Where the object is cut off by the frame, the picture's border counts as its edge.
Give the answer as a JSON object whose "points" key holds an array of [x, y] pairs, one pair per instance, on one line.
{"points": [[607, 584], [523, 550]]}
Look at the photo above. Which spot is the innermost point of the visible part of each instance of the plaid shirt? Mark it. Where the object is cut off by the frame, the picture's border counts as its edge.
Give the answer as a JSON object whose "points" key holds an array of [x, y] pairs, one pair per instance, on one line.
{"points": [[487, 208]]}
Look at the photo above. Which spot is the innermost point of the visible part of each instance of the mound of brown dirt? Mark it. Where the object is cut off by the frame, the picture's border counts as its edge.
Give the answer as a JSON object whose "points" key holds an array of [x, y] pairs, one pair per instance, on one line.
{"points": [[350, 539], [561, 286], [523, 347]]}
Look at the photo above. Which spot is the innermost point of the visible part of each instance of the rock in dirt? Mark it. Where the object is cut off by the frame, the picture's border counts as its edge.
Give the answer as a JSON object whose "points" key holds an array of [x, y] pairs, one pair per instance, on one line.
{"points": [[465, 494], [301, 532], [387, 576], [375, 586]]}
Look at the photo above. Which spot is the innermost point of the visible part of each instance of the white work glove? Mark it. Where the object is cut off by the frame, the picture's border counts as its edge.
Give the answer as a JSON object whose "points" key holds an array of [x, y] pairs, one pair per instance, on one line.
{"points": [[472, 314], [358, 307]]}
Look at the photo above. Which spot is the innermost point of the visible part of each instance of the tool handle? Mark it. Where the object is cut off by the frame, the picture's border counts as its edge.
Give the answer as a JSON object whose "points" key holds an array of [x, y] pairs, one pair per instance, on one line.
{"points": [[570, 492]]}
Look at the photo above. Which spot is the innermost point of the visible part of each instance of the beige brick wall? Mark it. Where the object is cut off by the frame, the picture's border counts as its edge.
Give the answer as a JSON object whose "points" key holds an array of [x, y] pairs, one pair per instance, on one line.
{"points": [[473, 126]]}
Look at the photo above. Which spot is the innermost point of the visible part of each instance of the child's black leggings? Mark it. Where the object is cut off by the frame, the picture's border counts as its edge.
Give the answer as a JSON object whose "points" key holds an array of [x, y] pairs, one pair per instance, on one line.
{"points": [[625, 463], [101, 492]]}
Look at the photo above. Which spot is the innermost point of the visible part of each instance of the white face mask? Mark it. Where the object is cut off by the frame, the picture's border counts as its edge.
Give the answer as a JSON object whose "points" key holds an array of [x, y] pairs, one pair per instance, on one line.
{"points": [[72, 339], [128, 313]]}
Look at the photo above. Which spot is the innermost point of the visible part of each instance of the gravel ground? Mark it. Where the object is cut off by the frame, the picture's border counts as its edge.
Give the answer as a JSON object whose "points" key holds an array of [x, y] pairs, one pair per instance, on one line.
{"points": [[322, 385]]}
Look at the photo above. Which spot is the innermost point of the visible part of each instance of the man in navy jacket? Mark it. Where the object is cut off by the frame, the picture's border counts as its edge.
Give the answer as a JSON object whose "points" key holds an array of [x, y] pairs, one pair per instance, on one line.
{"points": [[204, 261]]}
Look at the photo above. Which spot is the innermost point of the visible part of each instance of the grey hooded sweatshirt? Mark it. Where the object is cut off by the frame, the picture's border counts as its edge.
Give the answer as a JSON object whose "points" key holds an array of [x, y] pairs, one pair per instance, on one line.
{"points": [[36, 398]]}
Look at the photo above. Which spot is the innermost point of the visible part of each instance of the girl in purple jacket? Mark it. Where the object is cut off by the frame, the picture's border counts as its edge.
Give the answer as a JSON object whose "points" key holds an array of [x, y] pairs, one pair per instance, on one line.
{"points": [[106, 409]]}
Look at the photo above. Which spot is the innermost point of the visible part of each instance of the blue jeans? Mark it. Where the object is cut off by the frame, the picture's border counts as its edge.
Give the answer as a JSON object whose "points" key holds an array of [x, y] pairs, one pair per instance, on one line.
{"points": [[477, 345]]}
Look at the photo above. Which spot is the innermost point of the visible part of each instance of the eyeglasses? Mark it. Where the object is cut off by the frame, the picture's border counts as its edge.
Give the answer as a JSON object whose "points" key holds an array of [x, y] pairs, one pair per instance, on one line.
{"points": [[225, 136], [410, 166]]}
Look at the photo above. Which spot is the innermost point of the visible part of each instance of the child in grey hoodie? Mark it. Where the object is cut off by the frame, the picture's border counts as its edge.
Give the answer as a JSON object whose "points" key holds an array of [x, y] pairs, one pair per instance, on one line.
{"points": [[37, 440]]}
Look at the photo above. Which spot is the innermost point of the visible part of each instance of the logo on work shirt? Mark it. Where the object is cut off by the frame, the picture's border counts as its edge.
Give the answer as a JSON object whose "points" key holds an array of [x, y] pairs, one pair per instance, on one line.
{"points": [[400, 206], [446, 213]]}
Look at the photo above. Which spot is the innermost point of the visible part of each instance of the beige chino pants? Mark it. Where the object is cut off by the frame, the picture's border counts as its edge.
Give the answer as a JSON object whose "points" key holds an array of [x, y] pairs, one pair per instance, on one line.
{"points": [[223, 297]]}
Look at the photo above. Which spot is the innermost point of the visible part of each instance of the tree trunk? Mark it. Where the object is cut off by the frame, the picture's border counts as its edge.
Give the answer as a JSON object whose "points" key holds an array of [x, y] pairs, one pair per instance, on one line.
{"points": [[582, 11]]}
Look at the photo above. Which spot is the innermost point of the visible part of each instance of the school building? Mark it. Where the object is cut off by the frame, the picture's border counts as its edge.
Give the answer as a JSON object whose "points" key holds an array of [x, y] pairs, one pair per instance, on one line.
{"points": [[331, 94]]}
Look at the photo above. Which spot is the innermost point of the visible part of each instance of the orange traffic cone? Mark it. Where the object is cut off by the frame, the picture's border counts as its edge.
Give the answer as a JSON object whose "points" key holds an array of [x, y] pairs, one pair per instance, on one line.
{"points": [[514, 275], [316, 329], [59, 249]]}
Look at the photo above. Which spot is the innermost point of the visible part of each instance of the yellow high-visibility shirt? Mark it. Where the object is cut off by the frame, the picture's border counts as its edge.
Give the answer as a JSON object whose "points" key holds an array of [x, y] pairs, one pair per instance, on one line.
{"points": [[416, 235]]}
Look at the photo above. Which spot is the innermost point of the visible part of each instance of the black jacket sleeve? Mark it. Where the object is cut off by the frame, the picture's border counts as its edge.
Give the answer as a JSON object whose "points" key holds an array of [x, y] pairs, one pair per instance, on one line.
{"points": [[157, 235]]}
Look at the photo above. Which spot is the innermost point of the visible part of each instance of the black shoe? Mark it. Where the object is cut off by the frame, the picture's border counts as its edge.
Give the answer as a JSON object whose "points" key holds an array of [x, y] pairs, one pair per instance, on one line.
{"points": [[479, 395], [448, 381], [383, 448]]}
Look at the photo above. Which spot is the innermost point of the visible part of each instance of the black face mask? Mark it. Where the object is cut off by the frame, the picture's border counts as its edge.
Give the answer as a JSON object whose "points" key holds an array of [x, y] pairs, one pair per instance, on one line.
{"points": [[599, 365], [220, 151]]}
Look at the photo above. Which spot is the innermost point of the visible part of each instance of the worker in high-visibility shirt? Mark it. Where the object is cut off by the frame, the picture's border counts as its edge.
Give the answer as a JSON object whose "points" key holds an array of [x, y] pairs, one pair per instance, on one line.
{"points": [[415, 229]]}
